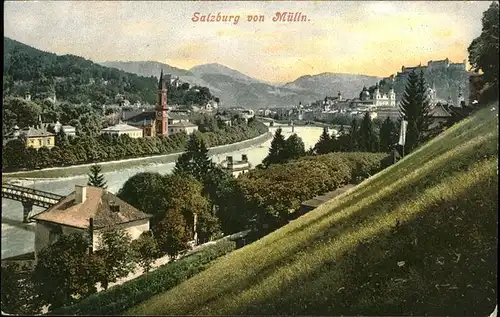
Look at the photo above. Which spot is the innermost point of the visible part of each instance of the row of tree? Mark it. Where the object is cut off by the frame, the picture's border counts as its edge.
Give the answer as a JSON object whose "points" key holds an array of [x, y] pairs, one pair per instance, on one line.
{"points": [[86, 149]]}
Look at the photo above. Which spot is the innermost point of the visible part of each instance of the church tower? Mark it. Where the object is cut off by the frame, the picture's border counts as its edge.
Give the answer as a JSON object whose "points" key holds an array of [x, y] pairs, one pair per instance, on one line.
{"points": [[161, 108]]}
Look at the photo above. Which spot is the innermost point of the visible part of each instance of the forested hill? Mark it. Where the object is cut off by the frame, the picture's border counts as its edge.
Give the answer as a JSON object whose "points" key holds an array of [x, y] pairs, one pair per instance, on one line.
{"points": [[70, 78]]}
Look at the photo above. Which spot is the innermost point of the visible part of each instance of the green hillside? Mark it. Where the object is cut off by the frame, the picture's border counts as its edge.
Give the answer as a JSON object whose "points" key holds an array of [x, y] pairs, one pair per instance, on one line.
{"points": [[71, 78], [418, 238]]}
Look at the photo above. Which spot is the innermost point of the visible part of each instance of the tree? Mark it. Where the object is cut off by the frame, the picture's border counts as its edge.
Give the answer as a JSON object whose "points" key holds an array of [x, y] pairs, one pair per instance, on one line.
{"points": [[146, 192], [25, 112], [96, 178], [116, 254], [65, 270], [353, 136], [343, 140], [367, 138], [483, 50], [195, 160], [294, 147], [172, 234], [415, 108], [324, 145], [146, 250], [18, 293], [207, 225], [15, 153], [388, 135], [185, 194], [276, 151]]}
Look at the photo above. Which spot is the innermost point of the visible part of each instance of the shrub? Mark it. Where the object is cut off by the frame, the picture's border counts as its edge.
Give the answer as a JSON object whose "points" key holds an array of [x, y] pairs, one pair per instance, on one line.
{"points": [[122, 297], [280, 189]]}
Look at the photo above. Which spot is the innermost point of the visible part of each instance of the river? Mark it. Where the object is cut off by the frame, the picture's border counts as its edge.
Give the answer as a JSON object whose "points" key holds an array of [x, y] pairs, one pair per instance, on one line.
{"points": [[18, 238]]}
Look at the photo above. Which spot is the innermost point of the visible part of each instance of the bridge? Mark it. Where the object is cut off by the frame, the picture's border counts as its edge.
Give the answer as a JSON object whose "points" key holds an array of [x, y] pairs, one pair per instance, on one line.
{"points": [[29, 197]]}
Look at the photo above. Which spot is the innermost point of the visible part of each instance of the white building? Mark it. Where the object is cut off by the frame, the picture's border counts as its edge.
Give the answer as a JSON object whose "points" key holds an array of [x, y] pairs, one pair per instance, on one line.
{"points": [[186, 127], [69, 130], [84, 208], [247, 114], [121, 129], [236, 167]]}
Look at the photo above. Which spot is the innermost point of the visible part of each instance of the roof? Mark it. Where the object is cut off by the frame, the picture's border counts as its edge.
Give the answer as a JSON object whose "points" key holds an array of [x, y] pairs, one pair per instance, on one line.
{"points": [[223, 118], [121, 127], [177, 116], [141, 116], [144, 122], [34, 132], [439, 112], [96, 205], [151, 115], [183, 124], [127, 115], [65, 127]]}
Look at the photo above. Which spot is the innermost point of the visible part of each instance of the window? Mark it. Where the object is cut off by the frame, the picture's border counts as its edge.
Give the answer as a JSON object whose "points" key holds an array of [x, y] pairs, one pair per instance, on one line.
{"points": [[48, 141], [40, 142]]}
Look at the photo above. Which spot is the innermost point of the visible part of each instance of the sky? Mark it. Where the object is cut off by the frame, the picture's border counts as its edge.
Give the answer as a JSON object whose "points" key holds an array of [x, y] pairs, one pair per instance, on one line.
{"points": [[371, 38]]}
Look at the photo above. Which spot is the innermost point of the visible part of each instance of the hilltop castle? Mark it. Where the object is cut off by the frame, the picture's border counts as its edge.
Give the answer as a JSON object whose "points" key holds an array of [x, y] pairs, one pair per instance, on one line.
{"points": [[433, 66]]}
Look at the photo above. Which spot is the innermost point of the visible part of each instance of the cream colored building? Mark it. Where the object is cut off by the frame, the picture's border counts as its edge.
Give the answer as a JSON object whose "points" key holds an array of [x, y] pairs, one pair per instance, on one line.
{"points": [[186, 127], [37, 138], [121, 129], [236, 167], [75, 212]]}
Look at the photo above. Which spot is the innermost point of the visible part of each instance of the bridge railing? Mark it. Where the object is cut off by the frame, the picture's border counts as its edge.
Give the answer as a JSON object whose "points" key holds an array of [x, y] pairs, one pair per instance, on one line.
{"points": [[30, 192], [29, 195]]}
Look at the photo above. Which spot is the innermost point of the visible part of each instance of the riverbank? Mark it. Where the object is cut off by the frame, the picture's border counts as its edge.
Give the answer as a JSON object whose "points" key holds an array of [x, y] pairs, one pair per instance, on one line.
{"points": [[76, 170]]}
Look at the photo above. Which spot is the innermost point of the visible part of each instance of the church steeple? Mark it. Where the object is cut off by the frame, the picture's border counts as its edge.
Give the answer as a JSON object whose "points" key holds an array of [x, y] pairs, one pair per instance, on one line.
{"points": [[161, 123], [161, 84]]}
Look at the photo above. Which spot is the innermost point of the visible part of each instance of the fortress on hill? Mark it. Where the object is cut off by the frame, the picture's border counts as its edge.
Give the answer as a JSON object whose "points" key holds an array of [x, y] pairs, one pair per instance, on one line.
{"points": [[440, 65]]}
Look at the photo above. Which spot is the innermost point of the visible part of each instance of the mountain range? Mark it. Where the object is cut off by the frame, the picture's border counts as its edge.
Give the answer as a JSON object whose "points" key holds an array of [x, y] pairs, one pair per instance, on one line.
{"points": [[102, 81], [237, 89]]}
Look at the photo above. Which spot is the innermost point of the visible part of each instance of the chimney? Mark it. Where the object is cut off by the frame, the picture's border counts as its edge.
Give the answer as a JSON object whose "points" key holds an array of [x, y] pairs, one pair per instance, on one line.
{"points": [[229, 161], [114, 207], [80, 193], [244, 158]]}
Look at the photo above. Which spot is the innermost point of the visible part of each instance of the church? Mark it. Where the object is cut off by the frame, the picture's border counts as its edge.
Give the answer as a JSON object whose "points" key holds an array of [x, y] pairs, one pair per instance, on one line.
{"points": [[375, 100], [154, 123]]}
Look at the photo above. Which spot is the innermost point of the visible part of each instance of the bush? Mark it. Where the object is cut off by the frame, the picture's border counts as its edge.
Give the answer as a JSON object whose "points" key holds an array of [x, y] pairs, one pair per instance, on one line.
{"points": [[122, 297], [280, 189]]}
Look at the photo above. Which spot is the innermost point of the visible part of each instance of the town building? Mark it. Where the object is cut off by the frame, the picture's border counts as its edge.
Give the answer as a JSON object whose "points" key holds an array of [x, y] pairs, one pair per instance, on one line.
{"points": [[236, 168], [186, 127], [247, 114], [439, 116], [210, 106], [174, 118], [376, 99], [88, 211], [123, 129], [67, 129], [154, 123], [37, 137], [227, 121]]}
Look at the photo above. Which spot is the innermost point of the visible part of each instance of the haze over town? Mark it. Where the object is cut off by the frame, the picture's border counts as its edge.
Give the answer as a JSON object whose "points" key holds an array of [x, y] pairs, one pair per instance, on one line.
{"points": [[372, 38]]}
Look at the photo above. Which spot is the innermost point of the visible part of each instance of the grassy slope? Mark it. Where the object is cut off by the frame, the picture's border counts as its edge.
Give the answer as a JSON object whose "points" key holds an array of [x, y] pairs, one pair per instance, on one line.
{"points": [[434, 213]]}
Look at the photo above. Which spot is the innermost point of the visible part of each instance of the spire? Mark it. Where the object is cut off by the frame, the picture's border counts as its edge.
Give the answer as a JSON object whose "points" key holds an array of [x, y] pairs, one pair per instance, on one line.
{"points": [[160, 81]]}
